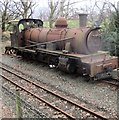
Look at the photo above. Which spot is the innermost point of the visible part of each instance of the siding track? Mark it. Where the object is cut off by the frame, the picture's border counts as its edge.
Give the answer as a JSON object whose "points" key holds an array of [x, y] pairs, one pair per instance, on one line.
{"points": [[56, 101]]}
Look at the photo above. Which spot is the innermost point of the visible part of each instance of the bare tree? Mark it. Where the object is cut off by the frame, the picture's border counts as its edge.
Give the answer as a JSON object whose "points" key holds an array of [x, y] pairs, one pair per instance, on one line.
{"points": [[53, 8], [43, 14], [5, 6], [69, 9], [98, 11], [61, 9], [8, 12], [11, 10], [24, 8]]}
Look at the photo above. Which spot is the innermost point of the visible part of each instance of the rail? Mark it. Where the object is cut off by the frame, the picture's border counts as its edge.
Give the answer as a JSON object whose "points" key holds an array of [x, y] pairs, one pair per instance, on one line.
{"points": [[39, 86]]}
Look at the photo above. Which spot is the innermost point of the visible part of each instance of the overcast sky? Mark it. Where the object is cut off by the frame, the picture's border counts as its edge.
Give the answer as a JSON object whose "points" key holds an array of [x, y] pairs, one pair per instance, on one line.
{"points": [[44, 3], [80, 4]]}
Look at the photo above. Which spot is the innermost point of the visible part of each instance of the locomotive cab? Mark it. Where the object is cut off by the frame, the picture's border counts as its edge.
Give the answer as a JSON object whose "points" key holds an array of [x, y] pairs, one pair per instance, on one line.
{"points": [[17, 36]]}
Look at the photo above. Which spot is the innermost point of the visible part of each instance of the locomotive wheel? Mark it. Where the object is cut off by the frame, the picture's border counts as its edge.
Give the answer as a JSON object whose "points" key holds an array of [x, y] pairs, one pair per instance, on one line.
{"points": [[93, 79], [71, 68], [9, 50], [90, 79], [87, 78]]}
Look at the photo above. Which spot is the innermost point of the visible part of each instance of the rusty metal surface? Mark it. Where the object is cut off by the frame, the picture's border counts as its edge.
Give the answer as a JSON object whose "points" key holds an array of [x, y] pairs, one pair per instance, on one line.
{"points": [[61, 22], [17, 37], [53, 41], [86, 40], [100, 63], [82, 38], [83, 19]]}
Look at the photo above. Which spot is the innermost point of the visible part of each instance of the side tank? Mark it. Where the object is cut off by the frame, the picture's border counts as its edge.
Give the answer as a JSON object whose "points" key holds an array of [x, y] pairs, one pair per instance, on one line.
{"points": [[86, 40]]}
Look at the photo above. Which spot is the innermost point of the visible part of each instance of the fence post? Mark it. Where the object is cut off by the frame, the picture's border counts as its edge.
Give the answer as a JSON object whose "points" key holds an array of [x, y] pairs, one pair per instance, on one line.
{"points": [[18, 104]]}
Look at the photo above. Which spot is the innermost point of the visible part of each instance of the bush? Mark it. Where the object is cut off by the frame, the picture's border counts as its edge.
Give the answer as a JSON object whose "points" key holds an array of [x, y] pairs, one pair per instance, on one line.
{"points": [[109, 34]]}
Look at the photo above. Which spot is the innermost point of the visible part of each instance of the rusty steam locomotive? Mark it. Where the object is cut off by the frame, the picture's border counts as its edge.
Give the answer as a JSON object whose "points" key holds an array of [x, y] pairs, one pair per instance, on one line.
{"points": [[69, 49]]}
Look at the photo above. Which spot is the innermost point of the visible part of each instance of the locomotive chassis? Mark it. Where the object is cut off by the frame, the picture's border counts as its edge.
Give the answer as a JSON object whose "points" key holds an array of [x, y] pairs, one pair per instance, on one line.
{"points": [[94, 66], [72, 63]]}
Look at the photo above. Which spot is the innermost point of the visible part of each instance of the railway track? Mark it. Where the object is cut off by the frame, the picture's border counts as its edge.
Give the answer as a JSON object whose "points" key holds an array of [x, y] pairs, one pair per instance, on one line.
{"points": [[25, 105], [112, 82], [52, 99]]}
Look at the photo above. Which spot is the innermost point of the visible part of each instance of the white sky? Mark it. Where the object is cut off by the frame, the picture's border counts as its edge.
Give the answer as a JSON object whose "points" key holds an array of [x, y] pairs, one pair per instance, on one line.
{"points": [[80, 4], [44, 3]]}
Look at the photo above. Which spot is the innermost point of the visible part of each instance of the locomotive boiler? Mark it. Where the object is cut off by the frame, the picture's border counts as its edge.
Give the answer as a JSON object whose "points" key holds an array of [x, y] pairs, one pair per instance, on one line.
{"points": [[69, 49], [84, 41]]}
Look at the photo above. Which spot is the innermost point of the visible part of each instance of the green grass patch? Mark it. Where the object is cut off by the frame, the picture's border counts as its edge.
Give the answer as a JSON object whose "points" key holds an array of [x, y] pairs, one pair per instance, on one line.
{"points": [[71, 24], [46, 24]]}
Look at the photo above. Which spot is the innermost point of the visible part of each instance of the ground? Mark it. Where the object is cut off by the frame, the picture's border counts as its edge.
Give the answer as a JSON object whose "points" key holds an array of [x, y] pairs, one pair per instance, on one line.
{"points": [[6, 112]]}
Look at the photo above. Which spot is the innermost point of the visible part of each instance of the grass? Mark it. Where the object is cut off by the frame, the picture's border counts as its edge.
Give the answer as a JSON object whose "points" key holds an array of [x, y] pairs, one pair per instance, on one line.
{"points": [[46, 24], [71, 24]]}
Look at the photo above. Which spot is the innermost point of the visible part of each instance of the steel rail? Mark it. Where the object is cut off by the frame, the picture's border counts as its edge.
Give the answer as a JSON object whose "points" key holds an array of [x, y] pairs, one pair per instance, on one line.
{"points": [[28, 106], [36, 96], [112, 83], [78, 105]]}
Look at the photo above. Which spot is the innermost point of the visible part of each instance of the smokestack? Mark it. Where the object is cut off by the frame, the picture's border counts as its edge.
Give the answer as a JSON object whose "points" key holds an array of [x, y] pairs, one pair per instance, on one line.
{"points": [[82, 19]]}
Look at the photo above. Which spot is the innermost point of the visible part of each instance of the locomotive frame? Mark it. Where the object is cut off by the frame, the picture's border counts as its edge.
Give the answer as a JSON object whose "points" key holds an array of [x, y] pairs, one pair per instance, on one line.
{"points": [[95, 66]]}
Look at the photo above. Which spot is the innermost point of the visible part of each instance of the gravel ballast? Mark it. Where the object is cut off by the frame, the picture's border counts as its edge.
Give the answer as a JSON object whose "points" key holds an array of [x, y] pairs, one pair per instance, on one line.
{"points": [[99, 95]]}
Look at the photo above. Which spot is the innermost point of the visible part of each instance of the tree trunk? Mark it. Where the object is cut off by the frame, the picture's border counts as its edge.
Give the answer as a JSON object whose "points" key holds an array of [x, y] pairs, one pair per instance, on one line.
{"points": [[62, 7], [3, 26], [50, 23], [3, 21]]}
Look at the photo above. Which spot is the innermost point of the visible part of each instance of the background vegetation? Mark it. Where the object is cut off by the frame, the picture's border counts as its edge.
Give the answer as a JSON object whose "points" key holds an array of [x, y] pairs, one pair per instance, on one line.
{"points": [[71, 23]]}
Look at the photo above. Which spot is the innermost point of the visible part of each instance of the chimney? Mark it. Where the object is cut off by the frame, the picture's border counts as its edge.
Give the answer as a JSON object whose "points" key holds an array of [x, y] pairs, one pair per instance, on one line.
{"points": [[83, 19]]}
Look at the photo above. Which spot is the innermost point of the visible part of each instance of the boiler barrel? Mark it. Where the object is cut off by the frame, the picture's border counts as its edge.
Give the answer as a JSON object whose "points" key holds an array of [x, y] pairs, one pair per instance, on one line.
{"points": [[85, 40]]}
